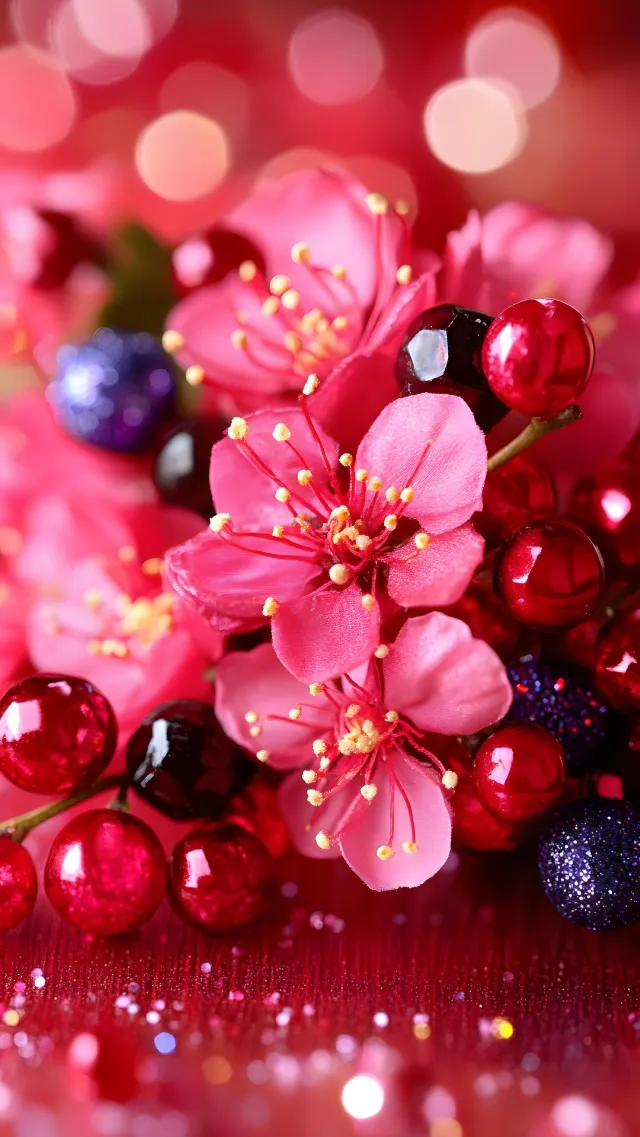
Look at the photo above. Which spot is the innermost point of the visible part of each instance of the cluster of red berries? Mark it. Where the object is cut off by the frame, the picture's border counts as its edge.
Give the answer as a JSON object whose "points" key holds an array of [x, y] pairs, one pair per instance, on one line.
{"points": [[106, 872]]}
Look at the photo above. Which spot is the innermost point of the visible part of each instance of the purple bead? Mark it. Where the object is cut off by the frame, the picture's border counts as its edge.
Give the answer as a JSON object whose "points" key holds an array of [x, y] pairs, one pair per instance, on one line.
{"points": [[589, 863], [115, 390]]}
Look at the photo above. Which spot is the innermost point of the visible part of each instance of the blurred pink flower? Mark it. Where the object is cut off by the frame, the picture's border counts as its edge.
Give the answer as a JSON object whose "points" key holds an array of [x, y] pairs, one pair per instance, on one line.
{"points": [[374, 792], [310, 540]]}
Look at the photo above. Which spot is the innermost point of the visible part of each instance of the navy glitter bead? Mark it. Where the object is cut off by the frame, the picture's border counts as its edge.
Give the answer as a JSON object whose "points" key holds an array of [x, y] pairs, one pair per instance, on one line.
{"points": [[560, 698], [115, 390], [589, 863]]}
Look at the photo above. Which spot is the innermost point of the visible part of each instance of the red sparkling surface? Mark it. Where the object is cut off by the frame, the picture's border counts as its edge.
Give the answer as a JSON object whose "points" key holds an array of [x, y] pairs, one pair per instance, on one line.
{"points": [[519, 772], [18, 883], [475, 827], [538, 355], [57, 734], [550, 575], [618, 663], [514, 495], [105, 873], [220, 877]]}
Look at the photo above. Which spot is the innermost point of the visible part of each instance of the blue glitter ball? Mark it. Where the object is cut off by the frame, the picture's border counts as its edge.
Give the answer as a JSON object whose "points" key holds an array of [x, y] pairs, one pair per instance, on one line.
{"points": [[589, 863], [560, 698], [115, 390]]}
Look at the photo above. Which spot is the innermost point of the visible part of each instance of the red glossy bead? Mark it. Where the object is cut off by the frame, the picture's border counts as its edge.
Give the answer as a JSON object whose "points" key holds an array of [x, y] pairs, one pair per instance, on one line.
{"points": [[105, 873], [57, 733], [208, 258], [538, 355], [618, 663], [519, 772], [220, 877], [608, 507], [256, 807], [45, 246], [514, 495], [489, 619], [476, 828], [550, 575], [18, 883]]}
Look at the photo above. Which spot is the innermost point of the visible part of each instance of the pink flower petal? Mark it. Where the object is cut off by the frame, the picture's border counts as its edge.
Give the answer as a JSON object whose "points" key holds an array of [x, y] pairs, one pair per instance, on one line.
{"points": [[255, 682], [325, 633], [432, 443], [305, 821], [367, 827], [443, 679], [438, 575]]}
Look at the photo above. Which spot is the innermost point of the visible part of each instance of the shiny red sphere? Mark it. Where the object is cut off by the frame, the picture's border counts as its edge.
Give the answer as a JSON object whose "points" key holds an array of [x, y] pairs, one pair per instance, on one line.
{"points": [[550, 575], [207, 259], [607, 505], [514, 495], [489, 619], [57, 733], [519, 772], [538, 355], [105, 873], [220, 877], [18, 883], [475, 827], [618, 663]]}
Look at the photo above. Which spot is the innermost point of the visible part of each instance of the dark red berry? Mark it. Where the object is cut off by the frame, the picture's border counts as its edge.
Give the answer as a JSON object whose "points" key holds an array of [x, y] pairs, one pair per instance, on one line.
{"points": [[105, 873], [475, 827], [514, 495], [441, 353], [256, 807], [489, 619], [45, 246], [607, 505], [181, 761], [57, 733], [618, 663], [538, 356], [519, 772], [18, 883], [220, 877], [207, 259], [550, 575], [181, 469]]}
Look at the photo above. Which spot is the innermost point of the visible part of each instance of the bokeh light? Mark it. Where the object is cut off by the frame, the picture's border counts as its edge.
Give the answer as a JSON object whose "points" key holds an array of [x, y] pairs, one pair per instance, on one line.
{"points": [[474, 125], [80, 58], [362, 1097], [575, 1116], [335, 57], [116, 27], [518, 48], [182, 155], [211, 90], [37, 103], [298, 158]]}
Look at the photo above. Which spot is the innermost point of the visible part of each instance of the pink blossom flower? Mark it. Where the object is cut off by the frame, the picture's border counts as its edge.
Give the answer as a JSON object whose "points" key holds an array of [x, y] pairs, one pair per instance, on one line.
{"points": [[112, 620], [336, 294], [313, 540], [375, 793]]}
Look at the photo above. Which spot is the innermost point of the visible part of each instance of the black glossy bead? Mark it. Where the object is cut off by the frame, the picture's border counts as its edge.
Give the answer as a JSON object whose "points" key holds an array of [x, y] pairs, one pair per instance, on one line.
{"points": [[208, 258], [181, 469], [441, 354], [181, 761]]}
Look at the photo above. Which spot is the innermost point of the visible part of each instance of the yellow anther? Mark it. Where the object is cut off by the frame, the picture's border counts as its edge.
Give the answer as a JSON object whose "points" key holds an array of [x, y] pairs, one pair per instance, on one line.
{"points": [[370, 729], [339, 323], [323, 840], [239, 339], [309, 321], [375, 483], [304, 477], [314, 797], [362, 541], [340, 513], [368, 601], [347, 745], [194, 375], [153, 566], [279, 284], [319, 747], [301, 253], [303, 522], [325, 763], [392, 494], [126, 554], [281, 432], [292, 342], [390, 522], [282, 494], [381, 652], [421, 540], [92, 598], [377, 203], [391, 716], [368, 791], [238, 429], [295, 712], [311, 385], [309, 776], [339, 271], [172, 341], [346, 459], [384, 853], [352, 710], [362, 475], [290, 299], [270, 306], [407, 494], [402, 207], [409, 847], [270, 607], [262, 755], [316, 689], [449, 779], [404, 274], [255, 731], [251, 716], [219, 522], [247, 271], [277, 531], [340, 574]]}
